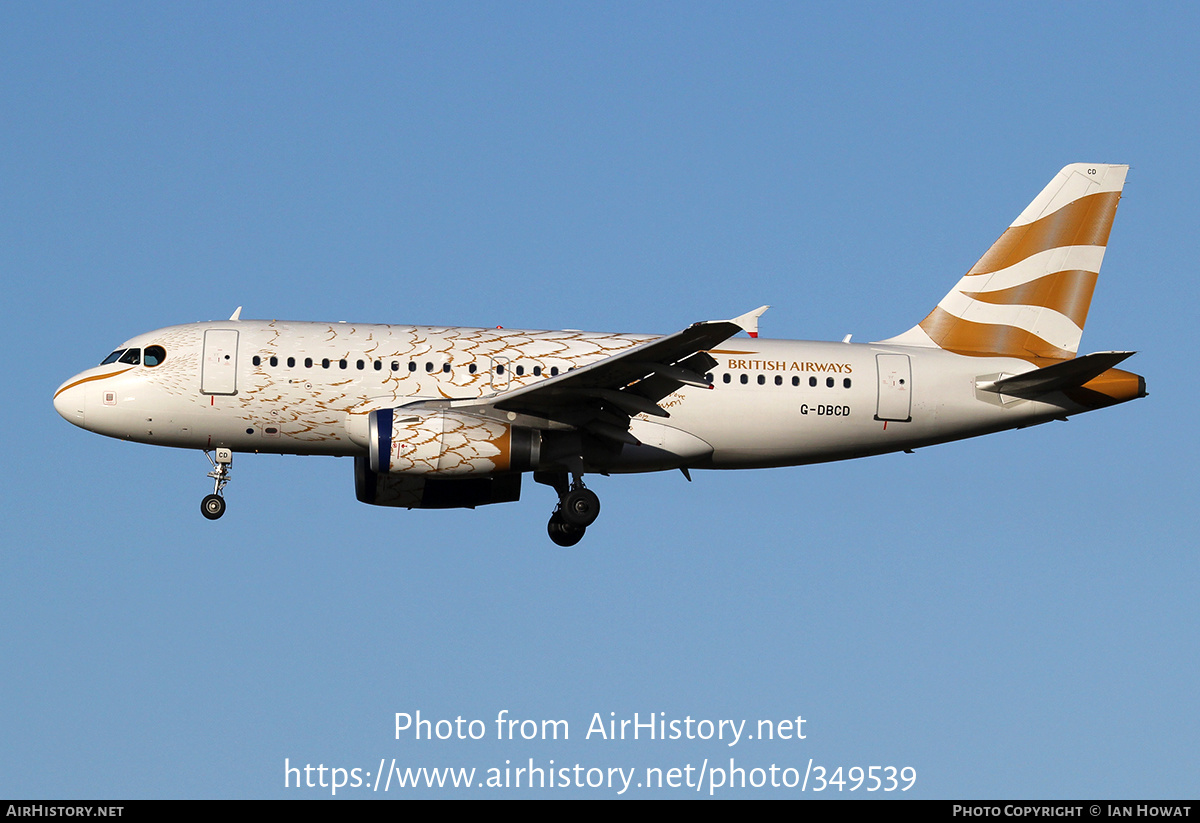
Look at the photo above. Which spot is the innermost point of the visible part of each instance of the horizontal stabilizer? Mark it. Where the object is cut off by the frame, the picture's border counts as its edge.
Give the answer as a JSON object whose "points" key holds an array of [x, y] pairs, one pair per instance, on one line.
{"points": [[1069, 374]]}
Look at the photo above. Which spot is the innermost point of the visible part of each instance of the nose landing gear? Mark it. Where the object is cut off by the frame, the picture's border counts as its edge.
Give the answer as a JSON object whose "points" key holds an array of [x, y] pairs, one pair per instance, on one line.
{"points": [[213, 505]]}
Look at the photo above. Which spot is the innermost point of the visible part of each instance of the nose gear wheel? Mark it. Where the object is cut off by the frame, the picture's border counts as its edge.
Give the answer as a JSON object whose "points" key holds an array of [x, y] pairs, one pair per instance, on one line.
{"points": [[213, 505]]}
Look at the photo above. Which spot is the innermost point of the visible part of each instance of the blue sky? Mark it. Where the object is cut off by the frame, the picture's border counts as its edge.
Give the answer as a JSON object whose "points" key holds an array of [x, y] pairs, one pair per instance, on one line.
{"points": [[1013, 616]]}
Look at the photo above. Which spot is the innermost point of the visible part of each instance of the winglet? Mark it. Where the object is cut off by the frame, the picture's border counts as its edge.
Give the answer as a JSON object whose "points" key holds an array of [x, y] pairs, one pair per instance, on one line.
{"points": [[749, 320], [237, 314]]}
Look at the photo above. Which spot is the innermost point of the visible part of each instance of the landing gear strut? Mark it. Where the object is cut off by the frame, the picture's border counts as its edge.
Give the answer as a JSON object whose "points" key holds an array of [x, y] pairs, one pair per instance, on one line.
{"points": [[213, 505], [578, 507]]}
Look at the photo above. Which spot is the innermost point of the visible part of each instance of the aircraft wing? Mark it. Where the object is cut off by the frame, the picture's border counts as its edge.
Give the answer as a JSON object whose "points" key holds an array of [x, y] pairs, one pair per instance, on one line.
{"points": [[602, 396]]}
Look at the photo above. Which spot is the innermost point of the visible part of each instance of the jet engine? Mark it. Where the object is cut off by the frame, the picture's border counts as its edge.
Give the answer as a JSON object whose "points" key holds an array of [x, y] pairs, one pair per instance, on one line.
{"points": [[448, 444]]}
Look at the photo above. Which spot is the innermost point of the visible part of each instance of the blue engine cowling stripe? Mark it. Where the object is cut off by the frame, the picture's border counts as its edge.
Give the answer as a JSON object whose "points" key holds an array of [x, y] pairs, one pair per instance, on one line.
{"points": [[383, 425]]}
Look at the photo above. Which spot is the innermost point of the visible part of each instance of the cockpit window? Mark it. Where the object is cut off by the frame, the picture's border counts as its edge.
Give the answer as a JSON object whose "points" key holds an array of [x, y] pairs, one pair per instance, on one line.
{"points": [[131, 356], [154, 355], [112, 358]]}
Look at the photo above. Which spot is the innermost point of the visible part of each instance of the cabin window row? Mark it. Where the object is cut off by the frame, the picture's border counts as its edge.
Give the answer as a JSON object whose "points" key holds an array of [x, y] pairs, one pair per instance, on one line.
{"points": [[396, 365], [813, 382]]}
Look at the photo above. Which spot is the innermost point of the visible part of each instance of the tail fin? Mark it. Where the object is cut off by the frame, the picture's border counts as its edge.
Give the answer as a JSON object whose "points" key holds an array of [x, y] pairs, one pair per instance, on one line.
{"points": [[1028, 296]]}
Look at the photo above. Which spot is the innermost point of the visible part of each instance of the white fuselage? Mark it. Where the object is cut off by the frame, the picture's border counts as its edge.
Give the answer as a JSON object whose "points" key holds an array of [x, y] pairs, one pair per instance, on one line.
{"points": [[305, 388]]}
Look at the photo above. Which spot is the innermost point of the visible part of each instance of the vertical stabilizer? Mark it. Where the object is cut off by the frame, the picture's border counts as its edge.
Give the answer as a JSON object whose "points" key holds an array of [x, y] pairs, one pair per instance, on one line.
{"points": [[1028, 296]]}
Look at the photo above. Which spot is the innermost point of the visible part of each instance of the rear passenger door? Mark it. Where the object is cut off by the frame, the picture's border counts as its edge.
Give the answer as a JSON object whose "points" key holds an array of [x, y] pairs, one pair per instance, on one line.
{"points": [[895, 388]]}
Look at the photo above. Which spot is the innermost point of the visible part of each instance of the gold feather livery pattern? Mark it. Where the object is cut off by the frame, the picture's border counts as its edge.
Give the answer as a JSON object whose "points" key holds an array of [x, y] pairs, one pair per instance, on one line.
{"points": [[1028, 296]]}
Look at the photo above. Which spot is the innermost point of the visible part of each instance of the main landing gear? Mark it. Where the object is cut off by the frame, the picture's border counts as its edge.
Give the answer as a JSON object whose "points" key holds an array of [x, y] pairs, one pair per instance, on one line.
{"points": [[213, 505], [578, 507]]}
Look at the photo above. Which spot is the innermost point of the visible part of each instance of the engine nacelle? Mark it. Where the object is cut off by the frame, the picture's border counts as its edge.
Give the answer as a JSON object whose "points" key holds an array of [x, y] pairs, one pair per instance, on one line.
{"points": [[412, 491], [448, 444]]}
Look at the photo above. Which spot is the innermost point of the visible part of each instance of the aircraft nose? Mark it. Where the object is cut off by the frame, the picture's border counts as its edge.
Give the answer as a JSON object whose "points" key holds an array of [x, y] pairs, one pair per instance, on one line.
{"points": [[68, 402]]}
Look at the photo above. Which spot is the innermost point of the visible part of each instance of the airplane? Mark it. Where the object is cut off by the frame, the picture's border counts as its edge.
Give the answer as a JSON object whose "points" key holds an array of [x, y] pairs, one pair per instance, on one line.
{"points": [[442, 417]]}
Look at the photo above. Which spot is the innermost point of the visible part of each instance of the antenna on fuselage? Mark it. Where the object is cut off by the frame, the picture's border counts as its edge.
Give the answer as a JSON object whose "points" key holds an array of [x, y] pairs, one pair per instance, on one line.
{"points": [[237, 314]]}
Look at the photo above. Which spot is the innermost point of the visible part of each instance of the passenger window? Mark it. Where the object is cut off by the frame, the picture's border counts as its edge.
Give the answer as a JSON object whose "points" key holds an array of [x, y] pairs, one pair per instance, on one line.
{"points": [[795, 381], [846, 382], [472, 368], [445, 368], [361, 365], [725, 377], [745, 379], [520, 371], [131, 356], [829, 382], [341, 364], [395, 365], [412, 366], [378, 365], [291, 362], [154, 355], [778, 380], [274, 360], [762, 380], [554, 371], [812, 381], [325, 363], [308, 362], [256, 360], [537, 371]]}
